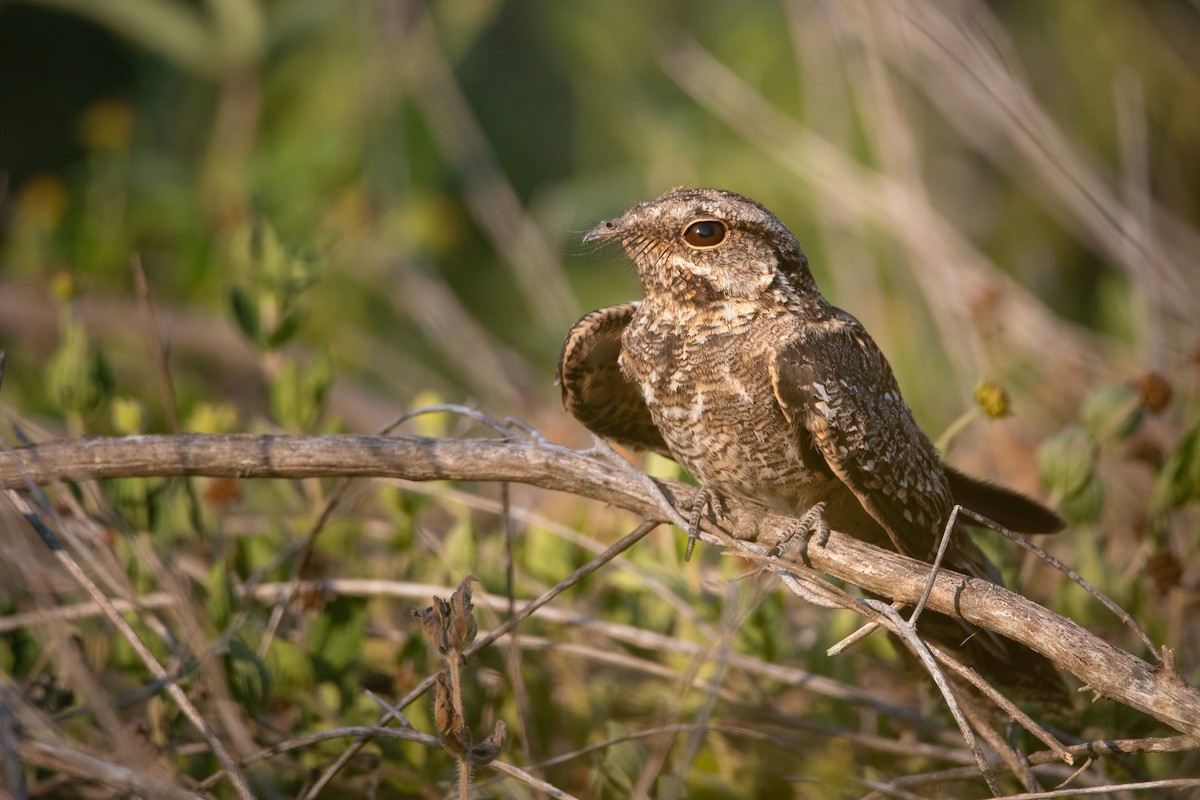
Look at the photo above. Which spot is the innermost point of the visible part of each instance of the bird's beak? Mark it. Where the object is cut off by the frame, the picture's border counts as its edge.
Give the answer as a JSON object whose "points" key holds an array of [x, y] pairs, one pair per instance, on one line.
{"points": [[607, 229]]}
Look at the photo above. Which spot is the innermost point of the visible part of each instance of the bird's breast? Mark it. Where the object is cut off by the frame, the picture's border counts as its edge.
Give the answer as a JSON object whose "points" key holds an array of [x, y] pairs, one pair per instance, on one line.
{"points": [[707, 384]]}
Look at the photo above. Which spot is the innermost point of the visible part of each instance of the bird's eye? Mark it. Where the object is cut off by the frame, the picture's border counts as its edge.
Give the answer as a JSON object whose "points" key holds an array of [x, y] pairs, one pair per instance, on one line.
{"points": [[705, 233]]}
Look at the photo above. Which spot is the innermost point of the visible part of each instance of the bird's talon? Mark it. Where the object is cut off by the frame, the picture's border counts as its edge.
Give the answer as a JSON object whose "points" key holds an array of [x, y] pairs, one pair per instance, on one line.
{"points": [[717, 504], [704, 498], [811, 526]]}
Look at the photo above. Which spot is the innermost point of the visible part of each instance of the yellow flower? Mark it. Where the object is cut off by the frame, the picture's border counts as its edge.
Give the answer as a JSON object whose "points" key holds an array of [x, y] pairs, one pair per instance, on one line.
{"points": [[106, 125], [42, 201], [992, 397]]}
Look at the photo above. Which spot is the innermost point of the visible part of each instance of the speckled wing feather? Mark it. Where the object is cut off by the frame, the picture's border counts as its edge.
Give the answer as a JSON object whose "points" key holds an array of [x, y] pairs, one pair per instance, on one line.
{"points": [[833, 381], [593, 389]]}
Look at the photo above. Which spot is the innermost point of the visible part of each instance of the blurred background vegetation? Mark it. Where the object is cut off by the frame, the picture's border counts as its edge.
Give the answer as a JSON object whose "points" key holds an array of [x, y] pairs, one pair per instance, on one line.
{"points": [[343, 209]]}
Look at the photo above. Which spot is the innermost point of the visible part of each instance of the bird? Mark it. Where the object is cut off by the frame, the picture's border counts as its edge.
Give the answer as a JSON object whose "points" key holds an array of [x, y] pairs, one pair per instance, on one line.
{"points": [[737, 367]]}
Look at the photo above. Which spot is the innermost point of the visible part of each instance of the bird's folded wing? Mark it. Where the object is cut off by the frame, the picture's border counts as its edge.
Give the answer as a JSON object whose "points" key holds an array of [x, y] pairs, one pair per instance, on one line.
{"points": [[834, 383]]}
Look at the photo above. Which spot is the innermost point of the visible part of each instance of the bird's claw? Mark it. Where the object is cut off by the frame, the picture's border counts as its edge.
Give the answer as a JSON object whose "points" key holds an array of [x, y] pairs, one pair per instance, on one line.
{"points": [[811, 526], [705, 497]]}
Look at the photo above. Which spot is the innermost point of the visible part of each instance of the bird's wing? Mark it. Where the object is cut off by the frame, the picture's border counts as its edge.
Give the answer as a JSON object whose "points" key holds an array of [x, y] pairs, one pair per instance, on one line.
{"points": [[833, 383], [595, 391]]}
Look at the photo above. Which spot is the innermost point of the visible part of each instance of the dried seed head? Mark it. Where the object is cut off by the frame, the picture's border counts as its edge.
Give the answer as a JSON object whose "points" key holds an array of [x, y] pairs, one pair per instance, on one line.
{"points": [[1155, 390], [489, 749], [1165, 570], [449, 723]]}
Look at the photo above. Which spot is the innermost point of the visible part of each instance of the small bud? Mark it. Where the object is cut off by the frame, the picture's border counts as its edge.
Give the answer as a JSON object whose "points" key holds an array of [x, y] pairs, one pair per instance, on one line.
{"points": [[1067, 460], [489, 749], [463, 625], [312, 599], [431, 626], [63, 285], [106, 125], [221, 492], [992, 397], [128, 416]]}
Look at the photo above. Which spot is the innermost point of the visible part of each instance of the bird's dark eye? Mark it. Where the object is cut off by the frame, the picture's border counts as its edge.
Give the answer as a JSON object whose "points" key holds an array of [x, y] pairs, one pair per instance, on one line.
{"points": [[705, 233]]}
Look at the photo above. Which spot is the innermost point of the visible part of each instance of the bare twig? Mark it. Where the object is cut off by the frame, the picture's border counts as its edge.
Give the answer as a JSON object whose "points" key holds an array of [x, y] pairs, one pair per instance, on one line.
{"points": [[123, 627], [530, 780], [1086, 751], [160, 349], [1080, 791], [68, 760], [901, 628], [612, 552], [937, 563], [10, 756], [1027, 722], [1075, 577]]}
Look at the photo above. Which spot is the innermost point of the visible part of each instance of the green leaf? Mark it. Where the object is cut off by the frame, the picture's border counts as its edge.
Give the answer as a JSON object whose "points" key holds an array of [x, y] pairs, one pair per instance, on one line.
{"points": [[290, 667], [245, 312], [298, 394], [1179, 481], [128, 416], [1067, 460], [285, 330], [249, 679], [1085, 505], [78, 377], [1111, 412], [335, 638], [212, 418], [221, 599]]}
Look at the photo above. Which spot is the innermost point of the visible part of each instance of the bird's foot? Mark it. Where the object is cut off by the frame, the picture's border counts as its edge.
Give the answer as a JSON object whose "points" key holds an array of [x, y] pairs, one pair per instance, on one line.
{"points": [[811, 526], [704, 498]]}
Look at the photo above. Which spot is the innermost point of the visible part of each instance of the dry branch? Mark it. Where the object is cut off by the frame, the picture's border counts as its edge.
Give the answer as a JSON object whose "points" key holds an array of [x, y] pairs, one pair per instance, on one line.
{"points": [[1104, 669]]}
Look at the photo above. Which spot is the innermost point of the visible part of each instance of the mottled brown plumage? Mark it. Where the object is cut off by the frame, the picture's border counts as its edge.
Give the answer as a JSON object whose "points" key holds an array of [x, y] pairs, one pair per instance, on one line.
{"points": [[735, 365]]}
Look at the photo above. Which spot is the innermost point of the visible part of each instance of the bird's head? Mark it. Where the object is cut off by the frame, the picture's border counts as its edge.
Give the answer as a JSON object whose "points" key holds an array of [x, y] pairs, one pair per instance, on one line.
{"points": [[708, 244]]}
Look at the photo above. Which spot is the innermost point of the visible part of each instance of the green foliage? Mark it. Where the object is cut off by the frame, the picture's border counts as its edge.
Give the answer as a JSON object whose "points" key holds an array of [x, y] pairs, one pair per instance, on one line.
{"points": [[1111, 413], [1112, 416], [1068, 466], [137, 500], [271, 280], [220, 598], [1179, 481], [212, 418], [335, 639], [128, 416], [298, 393], [78, 377], [249, 679], [290, 668]]}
